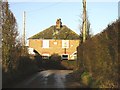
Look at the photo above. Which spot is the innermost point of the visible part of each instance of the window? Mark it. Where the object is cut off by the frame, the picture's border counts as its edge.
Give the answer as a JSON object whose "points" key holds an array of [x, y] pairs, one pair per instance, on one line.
{"points": [[45, 44], [45, 56], [65, 57], [65, 43], [55, 43]]}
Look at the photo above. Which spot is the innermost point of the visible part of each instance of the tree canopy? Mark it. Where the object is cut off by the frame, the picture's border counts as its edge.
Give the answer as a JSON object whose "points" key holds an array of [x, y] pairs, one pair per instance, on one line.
{"points": [[9, 36]]}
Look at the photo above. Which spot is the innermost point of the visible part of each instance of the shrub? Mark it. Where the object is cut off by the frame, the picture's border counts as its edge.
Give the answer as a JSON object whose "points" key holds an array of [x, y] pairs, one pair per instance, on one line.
{"points": [[55, 57], [26, 65], [99, 56], [86, 79]]}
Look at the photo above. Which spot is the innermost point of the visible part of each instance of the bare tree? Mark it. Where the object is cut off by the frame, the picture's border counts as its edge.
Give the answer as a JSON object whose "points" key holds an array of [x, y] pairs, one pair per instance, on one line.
{"points": [[88, 32]]}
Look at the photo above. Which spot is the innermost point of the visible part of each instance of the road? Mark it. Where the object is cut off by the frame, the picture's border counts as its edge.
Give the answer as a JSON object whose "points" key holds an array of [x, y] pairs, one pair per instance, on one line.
{"points": [[48, 79]]}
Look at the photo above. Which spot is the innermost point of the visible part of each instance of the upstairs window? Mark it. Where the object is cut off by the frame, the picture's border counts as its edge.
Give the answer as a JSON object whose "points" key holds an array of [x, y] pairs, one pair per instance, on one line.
{"points": [[45, 44], [65, 43]]}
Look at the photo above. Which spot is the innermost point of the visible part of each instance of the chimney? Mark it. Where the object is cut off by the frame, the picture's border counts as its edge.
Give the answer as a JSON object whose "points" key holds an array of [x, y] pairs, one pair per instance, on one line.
{"points": [[58, 24]]}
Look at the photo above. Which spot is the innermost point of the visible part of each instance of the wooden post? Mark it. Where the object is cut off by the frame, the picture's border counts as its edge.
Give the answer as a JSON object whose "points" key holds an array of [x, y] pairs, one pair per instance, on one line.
{"points": [[23, 40], [84, 21]]}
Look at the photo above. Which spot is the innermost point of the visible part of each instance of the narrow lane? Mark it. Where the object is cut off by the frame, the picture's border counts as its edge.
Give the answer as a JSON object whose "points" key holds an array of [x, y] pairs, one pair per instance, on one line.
{"points": [[48, 79]]}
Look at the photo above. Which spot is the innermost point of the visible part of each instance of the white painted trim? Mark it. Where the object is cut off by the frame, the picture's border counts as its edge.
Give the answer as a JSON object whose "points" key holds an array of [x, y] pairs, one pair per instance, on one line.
{"points": [[45, 44], [65, 44]]}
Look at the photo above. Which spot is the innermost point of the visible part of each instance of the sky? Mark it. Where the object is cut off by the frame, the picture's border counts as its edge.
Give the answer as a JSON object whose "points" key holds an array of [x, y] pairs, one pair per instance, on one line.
{"points": [[41, 15]]}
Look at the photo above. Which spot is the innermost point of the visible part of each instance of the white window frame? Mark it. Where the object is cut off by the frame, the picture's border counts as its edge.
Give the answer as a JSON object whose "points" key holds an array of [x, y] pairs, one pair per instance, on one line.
{"points": [[45, 44], [45, 56], [63, 58], [65, 43]]}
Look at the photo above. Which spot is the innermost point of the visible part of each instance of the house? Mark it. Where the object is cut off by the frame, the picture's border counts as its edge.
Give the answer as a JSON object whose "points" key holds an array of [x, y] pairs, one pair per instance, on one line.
{"points": [[57, 39]]}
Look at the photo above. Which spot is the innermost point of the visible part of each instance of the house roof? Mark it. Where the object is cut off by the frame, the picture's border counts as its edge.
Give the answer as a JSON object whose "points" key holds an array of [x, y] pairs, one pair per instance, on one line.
{"points": [[52, 33]]}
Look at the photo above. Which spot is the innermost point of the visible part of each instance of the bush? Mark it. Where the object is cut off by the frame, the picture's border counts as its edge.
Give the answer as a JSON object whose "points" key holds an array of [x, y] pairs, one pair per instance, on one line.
{"points": [[69, 64], [54, 62], [25, 67], [55, 57], [99, 56], [86, 79]]}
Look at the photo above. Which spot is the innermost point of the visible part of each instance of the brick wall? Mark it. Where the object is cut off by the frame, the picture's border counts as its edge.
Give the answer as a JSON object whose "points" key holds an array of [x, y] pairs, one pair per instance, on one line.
{"points": [[55, 46]]}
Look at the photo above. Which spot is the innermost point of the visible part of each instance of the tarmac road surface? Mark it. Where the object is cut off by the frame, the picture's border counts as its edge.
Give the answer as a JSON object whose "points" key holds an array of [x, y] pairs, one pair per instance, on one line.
{"points": [[48, 79]]}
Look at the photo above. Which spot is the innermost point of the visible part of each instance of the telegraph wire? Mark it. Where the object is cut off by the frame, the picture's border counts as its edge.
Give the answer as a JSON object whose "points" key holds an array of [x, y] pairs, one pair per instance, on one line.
{"points": [[42, 8]]}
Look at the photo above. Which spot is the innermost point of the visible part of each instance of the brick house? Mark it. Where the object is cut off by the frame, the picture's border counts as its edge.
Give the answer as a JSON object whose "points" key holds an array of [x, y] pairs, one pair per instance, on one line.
{"points": [[57, 39]]}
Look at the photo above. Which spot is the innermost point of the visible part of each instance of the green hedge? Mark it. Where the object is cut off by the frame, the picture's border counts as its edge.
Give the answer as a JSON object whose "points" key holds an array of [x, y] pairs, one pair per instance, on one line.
{"points": [[99, 56], [24, 68]]}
